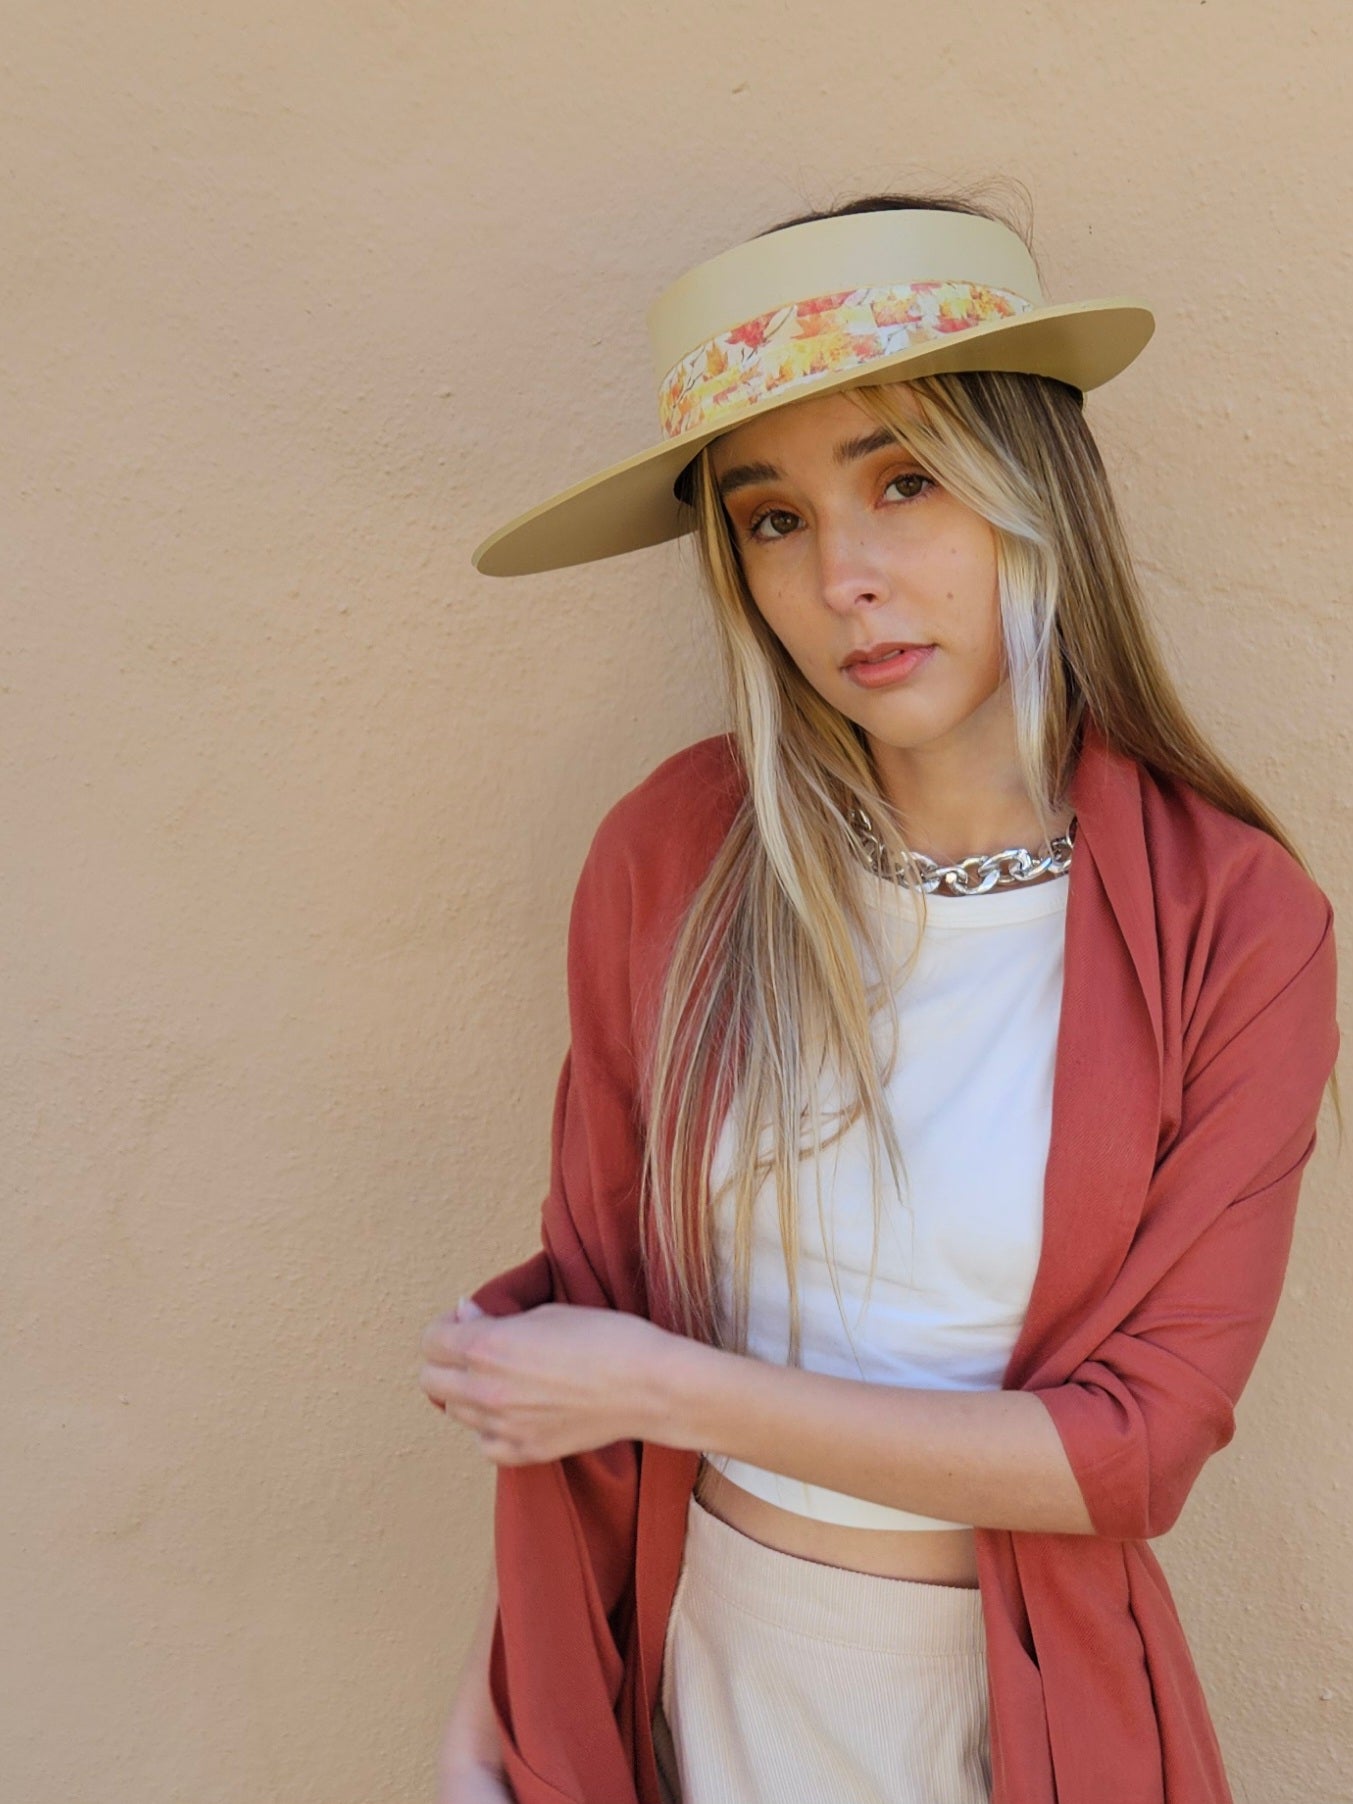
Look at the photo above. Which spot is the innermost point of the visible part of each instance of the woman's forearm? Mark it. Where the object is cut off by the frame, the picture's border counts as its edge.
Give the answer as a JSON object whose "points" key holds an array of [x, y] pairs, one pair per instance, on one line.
{"points": [[471, 1737], [992, 1458]]}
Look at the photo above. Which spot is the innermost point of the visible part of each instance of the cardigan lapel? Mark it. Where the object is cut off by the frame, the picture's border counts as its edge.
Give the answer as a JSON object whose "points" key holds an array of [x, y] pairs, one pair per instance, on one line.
{"points": [[1107, 1070]]}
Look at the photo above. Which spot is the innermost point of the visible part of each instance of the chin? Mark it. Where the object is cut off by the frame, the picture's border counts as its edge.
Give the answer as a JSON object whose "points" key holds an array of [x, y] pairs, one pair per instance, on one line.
{"points": [[913, 714]]}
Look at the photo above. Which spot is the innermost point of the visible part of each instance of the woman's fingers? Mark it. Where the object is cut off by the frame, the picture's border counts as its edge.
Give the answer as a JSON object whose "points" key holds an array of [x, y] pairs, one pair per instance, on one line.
{"points": [[466, 1310]]}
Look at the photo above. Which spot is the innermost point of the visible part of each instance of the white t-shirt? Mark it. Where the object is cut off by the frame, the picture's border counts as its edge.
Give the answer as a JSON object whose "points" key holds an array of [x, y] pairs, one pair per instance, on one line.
{"points": [[971, 1095]]}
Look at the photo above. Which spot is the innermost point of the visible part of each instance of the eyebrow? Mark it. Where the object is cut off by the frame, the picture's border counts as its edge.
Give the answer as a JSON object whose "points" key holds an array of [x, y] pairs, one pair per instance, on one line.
{"points": [[742, 476]]}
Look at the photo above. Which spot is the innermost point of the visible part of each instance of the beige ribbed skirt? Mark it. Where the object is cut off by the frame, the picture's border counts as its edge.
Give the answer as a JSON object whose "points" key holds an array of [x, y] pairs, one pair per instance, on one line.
{"points": [[785, 1678]]}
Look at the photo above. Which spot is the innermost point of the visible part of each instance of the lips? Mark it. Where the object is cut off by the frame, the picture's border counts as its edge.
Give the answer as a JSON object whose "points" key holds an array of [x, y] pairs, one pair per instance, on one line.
{"points": [[871, 654], [884, 666]]}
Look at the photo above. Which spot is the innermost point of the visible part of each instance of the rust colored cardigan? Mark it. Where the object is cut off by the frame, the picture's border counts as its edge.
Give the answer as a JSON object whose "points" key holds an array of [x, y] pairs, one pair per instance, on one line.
{"points": [[1197, 1033]]}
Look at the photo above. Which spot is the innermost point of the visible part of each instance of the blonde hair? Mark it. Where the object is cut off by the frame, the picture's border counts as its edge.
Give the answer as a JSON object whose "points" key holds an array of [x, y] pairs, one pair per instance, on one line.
{"points": [[765, 988]]}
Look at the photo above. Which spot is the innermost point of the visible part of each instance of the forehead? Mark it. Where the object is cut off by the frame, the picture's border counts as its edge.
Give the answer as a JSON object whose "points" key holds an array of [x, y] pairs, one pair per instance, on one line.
{"points": [[816, 417]]}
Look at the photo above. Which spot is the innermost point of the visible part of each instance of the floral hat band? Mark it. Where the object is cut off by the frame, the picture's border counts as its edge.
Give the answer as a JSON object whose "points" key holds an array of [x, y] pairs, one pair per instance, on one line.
{"points": [[855, 298], [791, 344]]}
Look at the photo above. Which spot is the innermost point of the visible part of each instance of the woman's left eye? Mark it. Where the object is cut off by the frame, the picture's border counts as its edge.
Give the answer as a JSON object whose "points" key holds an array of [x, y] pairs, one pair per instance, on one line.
{"points": [[913, 476]]}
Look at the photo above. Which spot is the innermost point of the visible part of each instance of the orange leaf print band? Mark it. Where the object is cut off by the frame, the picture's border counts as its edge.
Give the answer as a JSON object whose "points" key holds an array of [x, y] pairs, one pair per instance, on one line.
{"points": [[802, 339]]}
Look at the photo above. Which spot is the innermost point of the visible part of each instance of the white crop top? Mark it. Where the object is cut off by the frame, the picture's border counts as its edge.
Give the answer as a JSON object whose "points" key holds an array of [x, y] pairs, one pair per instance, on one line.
{"points": [[971, 1095]]}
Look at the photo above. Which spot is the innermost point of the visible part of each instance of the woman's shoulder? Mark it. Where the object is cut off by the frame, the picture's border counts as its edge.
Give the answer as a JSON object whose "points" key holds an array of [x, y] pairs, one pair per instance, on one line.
{"points": [[679, 812], [649, 852], [1237, 894]]}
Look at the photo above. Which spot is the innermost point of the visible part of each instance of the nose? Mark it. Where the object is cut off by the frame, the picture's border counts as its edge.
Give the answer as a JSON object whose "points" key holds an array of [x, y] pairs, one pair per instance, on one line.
{"points": [[850, 572]]}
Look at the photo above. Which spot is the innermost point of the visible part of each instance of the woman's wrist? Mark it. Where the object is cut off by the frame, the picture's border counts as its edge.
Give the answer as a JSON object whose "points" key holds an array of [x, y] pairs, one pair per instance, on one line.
{"points": [[470, 1740], [679, 1382], [470, 1743]]}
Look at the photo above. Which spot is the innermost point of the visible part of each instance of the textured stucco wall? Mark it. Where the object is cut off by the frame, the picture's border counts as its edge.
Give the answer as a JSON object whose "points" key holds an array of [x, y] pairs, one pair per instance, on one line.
{"points": [[299, 302]]}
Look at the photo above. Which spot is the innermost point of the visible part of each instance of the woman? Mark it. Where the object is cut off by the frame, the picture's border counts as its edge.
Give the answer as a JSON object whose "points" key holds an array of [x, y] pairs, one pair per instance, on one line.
{"points": [[816, 1481]]}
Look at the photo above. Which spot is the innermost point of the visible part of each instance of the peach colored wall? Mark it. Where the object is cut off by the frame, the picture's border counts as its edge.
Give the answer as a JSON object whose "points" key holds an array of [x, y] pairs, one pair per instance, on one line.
{"points": [[299, 302]]}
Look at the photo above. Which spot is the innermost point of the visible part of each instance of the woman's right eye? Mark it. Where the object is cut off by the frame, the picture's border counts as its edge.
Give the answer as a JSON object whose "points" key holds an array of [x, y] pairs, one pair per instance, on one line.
{"points": [[770, 513]]}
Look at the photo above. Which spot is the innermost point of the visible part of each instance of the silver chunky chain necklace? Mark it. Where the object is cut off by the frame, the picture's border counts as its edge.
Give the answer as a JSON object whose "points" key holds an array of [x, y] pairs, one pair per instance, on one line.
{"points": [[970, 876]]}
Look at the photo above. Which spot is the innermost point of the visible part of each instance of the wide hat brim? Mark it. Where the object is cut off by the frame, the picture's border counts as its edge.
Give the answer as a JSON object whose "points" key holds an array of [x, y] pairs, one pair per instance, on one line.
{"points": [[631, 505]]}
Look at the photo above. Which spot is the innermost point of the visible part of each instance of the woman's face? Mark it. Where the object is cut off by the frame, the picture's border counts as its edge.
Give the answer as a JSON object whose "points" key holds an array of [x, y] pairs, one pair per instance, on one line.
{"points": [[847, 543]]}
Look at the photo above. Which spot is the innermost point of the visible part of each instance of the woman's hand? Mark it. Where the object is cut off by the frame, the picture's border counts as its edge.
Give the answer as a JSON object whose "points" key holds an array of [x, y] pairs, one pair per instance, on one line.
{"points": [[546, 1382], [473, 1784]]}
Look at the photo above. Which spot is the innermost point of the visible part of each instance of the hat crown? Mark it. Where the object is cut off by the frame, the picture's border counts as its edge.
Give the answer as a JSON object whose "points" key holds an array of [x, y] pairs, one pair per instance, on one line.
{"points": [[891, 248]]}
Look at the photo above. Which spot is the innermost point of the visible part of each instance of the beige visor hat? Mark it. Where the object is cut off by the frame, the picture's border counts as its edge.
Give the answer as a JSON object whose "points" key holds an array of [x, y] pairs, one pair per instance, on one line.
{"points": [[857, 298]]}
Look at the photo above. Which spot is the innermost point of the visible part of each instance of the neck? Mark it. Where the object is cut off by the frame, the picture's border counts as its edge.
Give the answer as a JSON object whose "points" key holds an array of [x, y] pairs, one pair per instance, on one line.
{"points": [[963, 795]]}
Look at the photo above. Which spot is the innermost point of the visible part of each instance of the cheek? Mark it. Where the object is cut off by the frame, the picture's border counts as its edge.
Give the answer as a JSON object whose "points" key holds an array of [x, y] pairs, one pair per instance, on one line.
{"points": [[792, 621], [972, 601]]}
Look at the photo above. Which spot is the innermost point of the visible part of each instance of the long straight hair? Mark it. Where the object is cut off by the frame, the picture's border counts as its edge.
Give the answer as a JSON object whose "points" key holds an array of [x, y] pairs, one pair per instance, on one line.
{"points": [[766, 987]]}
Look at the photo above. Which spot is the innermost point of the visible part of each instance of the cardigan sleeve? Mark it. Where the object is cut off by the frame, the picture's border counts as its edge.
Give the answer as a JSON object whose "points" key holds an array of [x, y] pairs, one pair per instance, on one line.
{"points": [[648, 854], [587, 1220], [566, 1530], [1156, 1398]]}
